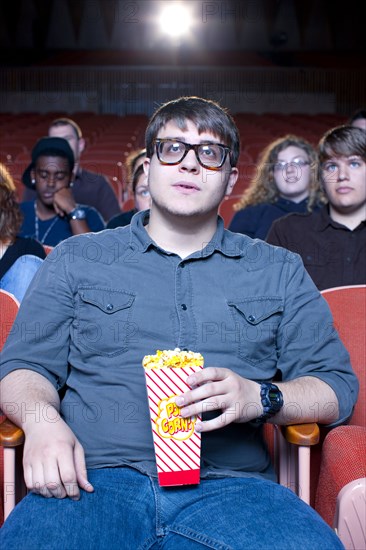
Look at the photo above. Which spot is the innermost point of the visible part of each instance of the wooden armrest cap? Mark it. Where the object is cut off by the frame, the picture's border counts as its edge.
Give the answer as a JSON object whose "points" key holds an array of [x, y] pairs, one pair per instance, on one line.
{"points": [[302, 434], [10, 434]]}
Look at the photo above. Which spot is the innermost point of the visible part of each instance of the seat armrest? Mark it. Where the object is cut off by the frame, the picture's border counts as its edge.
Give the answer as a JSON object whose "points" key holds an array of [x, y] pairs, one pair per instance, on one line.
{"points": [[295, 442], [10, 434]]}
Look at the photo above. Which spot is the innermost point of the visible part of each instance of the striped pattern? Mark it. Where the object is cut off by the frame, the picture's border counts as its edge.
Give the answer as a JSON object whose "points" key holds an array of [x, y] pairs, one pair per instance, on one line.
{"points": [[173, 454]]}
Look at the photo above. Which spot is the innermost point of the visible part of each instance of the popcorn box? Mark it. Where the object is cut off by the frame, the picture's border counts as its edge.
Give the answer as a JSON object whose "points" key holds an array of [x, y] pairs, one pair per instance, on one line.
{"points": [[177, 445]]}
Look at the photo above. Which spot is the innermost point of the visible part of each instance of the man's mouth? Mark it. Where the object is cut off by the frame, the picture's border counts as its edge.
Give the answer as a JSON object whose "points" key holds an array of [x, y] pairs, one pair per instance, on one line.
{"points": [[186, 187], [344, 190]]}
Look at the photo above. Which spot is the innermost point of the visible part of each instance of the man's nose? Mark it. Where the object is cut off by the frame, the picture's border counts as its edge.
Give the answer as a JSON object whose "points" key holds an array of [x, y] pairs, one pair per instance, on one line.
{"points": [[343, 172], [51, 181], [190, 162]]}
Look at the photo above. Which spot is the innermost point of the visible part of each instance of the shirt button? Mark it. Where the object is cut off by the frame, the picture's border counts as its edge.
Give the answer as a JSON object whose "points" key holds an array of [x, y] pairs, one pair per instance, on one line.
{"points": [[251, 318], [109, 307], [183, 306], [349, 259]]}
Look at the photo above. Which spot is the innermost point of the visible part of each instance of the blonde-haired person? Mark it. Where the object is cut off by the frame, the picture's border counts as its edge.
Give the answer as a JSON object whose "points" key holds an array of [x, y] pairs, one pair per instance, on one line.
{"points": [[286, 181], [133, 160], [332, 241], [138, 188], [142, 199], [19, 258]]}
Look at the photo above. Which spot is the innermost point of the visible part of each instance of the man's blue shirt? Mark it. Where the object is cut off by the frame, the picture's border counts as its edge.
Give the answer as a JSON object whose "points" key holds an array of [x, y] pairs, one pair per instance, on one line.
{"points": [[102, 301]]}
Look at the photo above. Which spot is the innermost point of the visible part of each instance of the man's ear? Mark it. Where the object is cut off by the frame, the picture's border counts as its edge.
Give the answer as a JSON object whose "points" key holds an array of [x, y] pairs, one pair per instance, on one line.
{"points": [[233, 178], [81, 145]]}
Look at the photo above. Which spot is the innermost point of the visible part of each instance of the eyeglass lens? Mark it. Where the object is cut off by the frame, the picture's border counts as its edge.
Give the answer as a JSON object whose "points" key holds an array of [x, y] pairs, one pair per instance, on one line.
{"points": [[298, 163]]}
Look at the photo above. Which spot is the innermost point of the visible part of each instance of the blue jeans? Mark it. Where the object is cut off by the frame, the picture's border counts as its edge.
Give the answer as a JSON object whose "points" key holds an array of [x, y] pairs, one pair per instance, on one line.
{"points": [[128, 511], [16, 280]]}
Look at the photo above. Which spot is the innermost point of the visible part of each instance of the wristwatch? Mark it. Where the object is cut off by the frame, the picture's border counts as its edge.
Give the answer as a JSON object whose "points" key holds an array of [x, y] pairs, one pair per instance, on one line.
{"points": [[77, 214], [272, 401]]}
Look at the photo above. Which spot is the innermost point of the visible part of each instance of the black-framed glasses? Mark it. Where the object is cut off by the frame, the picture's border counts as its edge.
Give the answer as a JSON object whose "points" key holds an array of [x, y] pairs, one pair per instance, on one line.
{"points": [[209, 155]]}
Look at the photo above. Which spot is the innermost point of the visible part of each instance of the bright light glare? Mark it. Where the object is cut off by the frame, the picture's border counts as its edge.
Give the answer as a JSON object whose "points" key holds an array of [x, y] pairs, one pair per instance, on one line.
{"points": [[175, 20]]}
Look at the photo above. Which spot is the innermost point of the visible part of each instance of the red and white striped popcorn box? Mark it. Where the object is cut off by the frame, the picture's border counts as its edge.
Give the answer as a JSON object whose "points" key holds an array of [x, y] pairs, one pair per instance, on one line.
{"points": [[177, 445]]}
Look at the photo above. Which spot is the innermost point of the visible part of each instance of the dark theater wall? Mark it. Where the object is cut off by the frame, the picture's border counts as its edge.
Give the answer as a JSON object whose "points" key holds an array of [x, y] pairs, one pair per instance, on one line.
{"points": [[108, 56]]}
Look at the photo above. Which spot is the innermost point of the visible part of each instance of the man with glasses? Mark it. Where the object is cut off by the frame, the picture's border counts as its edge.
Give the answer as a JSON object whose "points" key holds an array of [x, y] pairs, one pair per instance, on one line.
{"points": [[173, 278]]}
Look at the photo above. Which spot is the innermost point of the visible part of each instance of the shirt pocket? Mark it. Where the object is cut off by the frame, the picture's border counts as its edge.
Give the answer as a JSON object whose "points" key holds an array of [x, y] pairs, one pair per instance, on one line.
{"points": [[103, 320], [256, 324]]}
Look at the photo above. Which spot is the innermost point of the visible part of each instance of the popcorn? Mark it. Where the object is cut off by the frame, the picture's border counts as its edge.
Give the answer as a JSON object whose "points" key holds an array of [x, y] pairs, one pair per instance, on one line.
{"points": [[177, 445], [172, 358]]}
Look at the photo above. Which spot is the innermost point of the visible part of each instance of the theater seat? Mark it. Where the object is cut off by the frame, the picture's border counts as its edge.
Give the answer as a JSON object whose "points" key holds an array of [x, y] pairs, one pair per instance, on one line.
{"points": [[341, 491], [9, 306]]}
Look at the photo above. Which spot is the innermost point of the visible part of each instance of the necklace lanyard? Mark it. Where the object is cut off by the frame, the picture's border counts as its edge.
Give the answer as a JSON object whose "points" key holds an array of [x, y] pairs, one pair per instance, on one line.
{"points": [[36, 226]]}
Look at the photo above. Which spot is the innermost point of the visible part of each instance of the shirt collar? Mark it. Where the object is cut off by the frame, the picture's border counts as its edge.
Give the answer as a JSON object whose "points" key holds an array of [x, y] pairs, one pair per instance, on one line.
{"points": [[281, 201], [218, 243], [324, 220]]}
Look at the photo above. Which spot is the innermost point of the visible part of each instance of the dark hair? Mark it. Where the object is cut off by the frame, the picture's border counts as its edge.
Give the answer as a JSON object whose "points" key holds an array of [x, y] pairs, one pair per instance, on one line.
{"points": [[207, 115], [67, 122], [342, 141], [50, 152], [136, 176], [10, 214], [48, 147], [360, 113]]}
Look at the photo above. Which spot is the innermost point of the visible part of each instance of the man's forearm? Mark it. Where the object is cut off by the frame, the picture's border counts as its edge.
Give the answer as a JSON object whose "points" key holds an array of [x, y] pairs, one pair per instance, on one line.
{"points": [[307, 399], [27, 397]]}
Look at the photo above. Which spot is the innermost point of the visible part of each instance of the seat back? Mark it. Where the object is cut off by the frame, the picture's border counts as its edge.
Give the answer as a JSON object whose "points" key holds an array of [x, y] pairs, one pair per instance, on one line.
{"points": [[47, 248], [9, 306], [348, 306]]}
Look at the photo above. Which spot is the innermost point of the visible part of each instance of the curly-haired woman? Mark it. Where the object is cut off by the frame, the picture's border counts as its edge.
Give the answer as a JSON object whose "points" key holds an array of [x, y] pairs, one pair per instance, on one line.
{"points": [[19, 258], [285, 182]]}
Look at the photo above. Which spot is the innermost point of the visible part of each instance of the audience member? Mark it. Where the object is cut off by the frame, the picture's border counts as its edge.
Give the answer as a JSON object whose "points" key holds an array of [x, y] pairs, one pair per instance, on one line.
{"points": [[133, 160], [87, 187], [173, 278], [285, 181], [19, 258], [358, 119], [332, 241], [54, 215], [142, 199]]}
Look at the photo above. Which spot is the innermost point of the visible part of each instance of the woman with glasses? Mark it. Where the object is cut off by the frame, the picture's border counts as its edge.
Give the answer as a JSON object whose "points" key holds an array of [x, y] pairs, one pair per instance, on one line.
{"points": [[285, 182]]}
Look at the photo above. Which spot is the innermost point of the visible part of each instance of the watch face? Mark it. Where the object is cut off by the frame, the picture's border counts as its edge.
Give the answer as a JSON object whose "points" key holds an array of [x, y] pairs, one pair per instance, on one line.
{"points": [[78, 214], [276, 398], [273, 395]]}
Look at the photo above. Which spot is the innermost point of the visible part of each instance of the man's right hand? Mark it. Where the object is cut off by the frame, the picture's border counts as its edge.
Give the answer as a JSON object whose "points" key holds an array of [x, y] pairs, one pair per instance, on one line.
{"points": [[54, 461]]}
